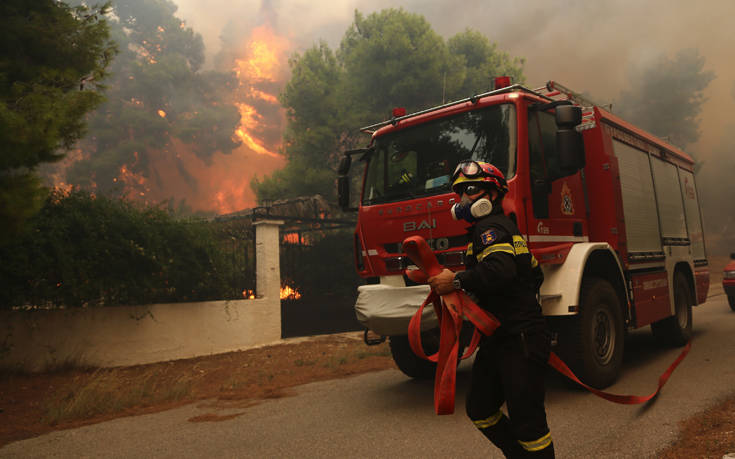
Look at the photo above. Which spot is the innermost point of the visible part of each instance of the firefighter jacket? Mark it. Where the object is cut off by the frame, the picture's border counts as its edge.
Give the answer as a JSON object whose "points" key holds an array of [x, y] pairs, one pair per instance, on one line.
{"points": [[503, 274]]}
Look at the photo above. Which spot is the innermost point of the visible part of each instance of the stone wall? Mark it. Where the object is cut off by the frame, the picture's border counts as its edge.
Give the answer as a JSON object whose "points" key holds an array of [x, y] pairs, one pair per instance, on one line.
{"points": [[37, 340]]}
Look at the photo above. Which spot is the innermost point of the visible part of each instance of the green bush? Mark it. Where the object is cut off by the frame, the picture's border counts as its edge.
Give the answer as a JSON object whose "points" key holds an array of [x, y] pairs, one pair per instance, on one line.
{"points": [[82, 250]]}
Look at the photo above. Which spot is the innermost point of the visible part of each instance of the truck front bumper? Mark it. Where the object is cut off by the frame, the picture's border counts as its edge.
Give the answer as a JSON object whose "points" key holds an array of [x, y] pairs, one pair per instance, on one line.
{"points": [[387, 310]]}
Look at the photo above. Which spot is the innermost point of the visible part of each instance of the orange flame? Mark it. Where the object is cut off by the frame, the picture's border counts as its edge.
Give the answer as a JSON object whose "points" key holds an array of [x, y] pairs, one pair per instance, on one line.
{"points": [[262, 62], [133, 182], [291, 238], [222, 184], [261, 66], [288, 293]]}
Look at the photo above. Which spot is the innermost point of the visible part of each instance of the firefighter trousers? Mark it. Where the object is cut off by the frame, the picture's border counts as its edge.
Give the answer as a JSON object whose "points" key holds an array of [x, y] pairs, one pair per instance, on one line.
{"points": [[510, 370]]}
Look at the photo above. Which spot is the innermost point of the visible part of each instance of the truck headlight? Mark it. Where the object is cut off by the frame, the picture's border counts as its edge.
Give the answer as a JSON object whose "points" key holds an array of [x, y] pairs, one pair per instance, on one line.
{"points": [[729, 274]]}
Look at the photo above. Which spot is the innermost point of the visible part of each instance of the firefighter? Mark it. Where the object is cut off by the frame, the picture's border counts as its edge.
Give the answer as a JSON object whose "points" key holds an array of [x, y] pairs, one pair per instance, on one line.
{"points": [[503, 277]]}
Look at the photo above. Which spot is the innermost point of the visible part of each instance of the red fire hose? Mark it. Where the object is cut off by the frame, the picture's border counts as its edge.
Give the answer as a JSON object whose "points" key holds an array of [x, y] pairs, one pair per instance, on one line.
{"points": [[450, 310]]}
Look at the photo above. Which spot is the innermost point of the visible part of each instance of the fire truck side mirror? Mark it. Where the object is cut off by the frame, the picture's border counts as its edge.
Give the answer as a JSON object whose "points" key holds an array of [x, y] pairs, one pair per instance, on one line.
{"points": [[569, 142], [568, 116], [570, 146]]}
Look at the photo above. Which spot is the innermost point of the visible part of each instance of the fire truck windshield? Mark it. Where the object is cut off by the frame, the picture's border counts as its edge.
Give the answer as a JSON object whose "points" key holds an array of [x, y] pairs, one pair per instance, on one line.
{"points": [[419, 160]]}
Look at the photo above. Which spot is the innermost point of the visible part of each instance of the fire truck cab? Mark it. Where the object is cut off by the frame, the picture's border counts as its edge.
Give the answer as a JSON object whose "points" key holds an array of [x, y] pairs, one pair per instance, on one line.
{"points": [[610, 211]]}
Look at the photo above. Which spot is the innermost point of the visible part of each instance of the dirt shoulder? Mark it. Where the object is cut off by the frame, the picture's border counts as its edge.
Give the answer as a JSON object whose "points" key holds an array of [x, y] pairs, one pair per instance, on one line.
{"points": [[31, 405]]}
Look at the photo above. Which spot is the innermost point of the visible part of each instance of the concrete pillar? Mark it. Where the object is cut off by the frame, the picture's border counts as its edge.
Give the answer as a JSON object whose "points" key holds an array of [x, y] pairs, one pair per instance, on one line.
{"points": [[267, 261]]}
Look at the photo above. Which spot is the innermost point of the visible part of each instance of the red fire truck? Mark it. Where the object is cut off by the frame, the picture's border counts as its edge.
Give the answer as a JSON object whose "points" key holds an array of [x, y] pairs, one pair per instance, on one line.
{"points": [[610, 211]]}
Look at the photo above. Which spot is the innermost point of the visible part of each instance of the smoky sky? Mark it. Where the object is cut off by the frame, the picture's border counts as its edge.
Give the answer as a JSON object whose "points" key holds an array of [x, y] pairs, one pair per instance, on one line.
{"points": [[587, 45]]}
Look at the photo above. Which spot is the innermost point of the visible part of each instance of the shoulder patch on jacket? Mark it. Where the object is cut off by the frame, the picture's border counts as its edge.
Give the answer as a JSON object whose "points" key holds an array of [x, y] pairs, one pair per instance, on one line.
{"points": [[488, 237]]}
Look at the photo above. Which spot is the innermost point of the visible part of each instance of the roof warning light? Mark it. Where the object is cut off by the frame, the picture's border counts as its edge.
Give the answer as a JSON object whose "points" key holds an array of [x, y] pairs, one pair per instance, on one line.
{"points": [[502, 82]]}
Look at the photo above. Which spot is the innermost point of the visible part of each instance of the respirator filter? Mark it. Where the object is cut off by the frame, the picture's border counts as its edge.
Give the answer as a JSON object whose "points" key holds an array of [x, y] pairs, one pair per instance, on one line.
{"points": [[471, 211]]}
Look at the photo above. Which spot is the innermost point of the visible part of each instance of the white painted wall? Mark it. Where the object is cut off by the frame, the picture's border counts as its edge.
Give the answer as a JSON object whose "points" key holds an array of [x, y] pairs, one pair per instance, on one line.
{"points": [[130, 335]]}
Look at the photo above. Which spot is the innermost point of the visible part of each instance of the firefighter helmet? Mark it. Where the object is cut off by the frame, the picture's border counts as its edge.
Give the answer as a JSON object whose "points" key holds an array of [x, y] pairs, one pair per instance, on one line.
{"points": [[479, 173]]}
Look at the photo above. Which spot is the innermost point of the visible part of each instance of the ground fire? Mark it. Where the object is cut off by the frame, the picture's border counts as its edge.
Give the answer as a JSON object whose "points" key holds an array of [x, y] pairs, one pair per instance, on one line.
{"points": [[286, 293]]}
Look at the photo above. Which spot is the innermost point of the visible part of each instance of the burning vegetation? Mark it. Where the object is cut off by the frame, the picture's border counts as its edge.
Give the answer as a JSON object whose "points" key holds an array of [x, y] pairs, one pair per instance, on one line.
{"points": [[171, 132], [260, 74]]}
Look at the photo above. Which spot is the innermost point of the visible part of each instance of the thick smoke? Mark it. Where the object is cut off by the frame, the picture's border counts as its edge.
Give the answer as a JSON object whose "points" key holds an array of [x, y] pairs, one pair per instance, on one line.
{"points": [[588, 46]]}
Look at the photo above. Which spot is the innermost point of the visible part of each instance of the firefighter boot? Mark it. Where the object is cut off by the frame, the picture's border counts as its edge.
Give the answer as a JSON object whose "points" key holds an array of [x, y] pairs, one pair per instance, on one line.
{"points": [[497, 429], [543, 448]]}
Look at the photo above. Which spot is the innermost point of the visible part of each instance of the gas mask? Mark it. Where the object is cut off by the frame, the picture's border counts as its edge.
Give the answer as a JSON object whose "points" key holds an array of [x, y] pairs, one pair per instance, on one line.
{"points": [[471, 211]]}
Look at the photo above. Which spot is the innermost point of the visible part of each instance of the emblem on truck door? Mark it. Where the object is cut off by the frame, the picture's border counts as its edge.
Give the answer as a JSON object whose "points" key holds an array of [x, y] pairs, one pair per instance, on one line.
{"points": [[422, 224], [567, 204]]}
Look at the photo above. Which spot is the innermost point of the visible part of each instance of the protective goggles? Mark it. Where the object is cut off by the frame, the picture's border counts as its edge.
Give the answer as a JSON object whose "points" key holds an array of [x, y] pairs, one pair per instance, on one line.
{"points": [[469, 169], [470, 189]]}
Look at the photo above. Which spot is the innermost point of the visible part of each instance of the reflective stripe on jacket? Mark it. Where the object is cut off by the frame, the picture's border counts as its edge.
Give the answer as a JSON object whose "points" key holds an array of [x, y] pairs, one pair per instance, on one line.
{"points": [[503, 274]]}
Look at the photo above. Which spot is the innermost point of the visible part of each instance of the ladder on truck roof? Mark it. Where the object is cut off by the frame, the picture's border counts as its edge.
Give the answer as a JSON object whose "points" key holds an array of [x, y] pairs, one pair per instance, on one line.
{"points": [[552, 91], [374, 127], [557, 91]]}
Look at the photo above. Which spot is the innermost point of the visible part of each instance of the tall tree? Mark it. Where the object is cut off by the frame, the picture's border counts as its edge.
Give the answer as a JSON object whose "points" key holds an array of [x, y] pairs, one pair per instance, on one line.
{"points": [[394, 58], [159, 100], [52, 60], [314, 128], [481, 62], [666, 96], [388, 59]]}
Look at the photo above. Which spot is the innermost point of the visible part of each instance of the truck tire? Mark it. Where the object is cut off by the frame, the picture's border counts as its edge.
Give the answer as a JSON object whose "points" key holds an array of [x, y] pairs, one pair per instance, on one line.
{"points": [[731, 299], [591, 343], [677, 329], [408, 362], [416, 367]]}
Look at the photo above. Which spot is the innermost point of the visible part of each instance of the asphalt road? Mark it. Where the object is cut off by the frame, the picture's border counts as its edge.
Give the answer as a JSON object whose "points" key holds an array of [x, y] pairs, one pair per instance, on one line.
{"points": [[384, 414]]}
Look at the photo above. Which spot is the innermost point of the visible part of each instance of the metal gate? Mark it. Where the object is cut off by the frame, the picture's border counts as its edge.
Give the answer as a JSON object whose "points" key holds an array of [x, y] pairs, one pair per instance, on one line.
{"points": [[236, 238], [318, 280], [318, 277]]}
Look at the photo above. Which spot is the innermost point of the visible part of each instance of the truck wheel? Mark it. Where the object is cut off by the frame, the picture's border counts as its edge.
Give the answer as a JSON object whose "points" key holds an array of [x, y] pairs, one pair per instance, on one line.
{"points": [[408, 362], [677, 329], [731, 299], [592, 342], [416, 367]]}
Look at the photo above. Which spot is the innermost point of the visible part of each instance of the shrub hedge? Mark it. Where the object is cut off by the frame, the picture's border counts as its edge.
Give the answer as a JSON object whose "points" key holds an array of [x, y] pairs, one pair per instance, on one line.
{"points": [[81, 250]]}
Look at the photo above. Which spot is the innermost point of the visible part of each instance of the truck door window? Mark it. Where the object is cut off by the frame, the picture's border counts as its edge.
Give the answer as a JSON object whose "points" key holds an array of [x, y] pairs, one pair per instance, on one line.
{"points": [[543, 159]]}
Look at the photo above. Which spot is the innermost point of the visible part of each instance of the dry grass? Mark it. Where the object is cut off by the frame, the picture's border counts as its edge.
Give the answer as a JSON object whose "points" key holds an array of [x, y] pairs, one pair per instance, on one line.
{"points": [[105, 392], [110, 391], [708, 434], [32, 404]]}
